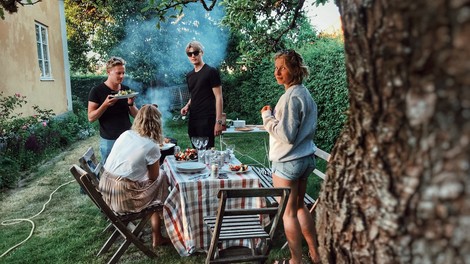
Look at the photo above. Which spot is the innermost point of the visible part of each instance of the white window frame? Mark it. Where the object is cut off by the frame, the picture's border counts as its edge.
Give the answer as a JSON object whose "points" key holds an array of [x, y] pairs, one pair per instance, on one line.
{"points": [[42, 44]]}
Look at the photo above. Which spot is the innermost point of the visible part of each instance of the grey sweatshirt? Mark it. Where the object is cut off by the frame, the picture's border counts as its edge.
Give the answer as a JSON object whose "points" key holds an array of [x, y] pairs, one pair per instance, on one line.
{"points": [[292, 125]]}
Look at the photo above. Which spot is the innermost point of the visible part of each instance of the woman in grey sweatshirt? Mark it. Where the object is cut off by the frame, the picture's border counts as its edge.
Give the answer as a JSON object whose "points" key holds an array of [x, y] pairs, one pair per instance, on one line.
{"points": [[291, 127]]}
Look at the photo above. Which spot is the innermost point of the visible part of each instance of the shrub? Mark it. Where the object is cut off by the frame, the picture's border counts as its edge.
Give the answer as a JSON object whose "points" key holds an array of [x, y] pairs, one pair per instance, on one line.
{"points": [[8, 172], [26, 141], [81, 86]]}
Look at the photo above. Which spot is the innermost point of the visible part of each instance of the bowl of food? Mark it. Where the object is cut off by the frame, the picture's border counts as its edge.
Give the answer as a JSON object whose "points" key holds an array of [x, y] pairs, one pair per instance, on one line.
{"points": [[188, 154]]}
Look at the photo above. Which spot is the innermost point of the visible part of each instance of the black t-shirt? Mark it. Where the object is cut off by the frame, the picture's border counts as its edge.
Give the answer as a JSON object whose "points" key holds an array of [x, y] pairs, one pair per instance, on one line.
{"points": [[115, 119], [200, 86]]}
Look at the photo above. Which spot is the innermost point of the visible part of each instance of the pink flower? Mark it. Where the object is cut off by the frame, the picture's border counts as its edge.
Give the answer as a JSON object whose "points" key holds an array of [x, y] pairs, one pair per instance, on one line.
{"points": [[24, 127], [17, 95], [44, 124]]}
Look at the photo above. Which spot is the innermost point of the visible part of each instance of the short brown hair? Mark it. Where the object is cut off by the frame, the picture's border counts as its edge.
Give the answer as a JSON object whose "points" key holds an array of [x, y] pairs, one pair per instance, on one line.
{"points": [[295, 64], [114, 61]]}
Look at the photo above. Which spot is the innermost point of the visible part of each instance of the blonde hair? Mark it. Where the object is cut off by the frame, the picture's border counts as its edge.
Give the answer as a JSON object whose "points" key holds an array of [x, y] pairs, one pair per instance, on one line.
{"points": [[114, 61], [148, 123], [196, 45], [295, 64]]}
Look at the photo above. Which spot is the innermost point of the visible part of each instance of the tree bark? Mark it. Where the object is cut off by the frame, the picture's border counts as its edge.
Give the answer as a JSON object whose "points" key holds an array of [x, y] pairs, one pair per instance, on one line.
{"points": [[398, 184]]}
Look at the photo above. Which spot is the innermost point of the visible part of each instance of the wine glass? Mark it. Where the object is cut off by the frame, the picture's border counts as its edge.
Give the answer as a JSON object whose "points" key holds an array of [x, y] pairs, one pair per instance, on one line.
{"points": [[204, 141], [230, 148], [196, 142], [230, 151]]}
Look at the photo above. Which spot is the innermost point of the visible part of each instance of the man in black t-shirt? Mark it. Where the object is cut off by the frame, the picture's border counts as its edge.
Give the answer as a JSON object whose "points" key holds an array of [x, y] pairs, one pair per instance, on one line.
{"points": [[205, 105], [112, 113]]}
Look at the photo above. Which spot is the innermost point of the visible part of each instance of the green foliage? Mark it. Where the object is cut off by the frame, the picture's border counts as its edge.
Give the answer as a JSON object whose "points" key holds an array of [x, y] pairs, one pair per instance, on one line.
{"points": [[96, 26], [328, 84], [7, 106], [26, 141], [81, 86], [8, 171], [274, 21]]}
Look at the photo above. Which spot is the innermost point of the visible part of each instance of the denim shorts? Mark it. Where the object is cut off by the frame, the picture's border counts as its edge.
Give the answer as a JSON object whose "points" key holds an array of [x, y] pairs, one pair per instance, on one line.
{"points": [[294, 169], [105, 148]]}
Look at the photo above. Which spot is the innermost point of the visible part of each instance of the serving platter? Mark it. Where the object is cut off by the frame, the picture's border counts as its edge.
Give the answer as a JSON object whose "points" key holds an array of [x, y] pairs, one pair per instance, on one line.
{"points": [[243, 129], [124, 96], [235, 168], [231, 171]]}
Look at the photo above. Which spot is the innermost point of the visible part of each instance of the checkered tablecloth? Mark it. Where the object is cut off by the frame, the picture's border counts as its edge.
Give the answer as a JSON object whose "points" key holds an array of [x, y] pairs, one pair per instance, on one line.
{"points": [[190, 200]]}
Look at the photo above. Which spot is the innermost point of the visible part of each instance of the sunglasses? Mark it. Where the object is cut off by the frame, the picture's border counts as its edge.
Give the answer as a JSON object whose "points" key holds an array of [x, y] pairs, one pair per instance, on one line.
{"points": [[195, 53]]}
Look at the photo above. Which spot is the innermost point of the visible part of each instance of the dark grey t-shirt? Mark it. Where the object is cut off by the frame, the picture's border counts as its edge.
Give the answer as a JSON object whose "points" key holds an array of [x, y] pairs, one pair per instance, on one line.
{"points": [[200, 86]]}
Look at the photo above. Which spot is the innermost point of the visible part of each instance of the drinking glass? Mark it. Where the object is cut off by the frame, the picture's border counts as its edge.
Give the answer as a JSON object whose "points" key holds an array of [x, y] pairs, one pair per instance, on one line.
{"points": [[176, 150], [230, 148], [196, 142], [204, 141]]}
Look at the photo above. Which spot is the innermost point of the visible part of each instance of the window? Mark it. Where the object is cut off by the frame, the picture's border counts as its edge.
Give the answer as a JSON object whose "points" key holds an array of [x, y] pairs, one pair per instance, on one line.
{"points": [[43, 51]]}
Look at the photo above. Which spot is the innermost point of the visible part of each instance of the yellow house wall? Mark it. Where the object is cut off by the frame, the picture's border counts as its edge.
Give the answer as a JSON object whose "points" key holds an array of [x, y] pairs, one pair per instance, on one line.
{"points": [[19, 70]]}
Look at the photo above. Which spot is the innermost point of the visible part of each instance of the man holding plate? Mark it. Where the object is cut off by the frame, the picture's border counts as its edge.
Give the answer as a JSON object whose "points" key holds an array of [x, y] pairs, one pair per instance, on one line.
{"points": [[111, 111]]}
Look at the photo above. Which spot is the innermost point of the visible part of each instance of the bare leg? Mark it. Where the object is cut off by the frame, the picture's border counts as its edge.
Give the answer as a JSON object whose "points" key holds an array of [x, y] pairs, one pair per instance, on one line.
{"points": [[292, 227], [307, 224], [157, 238]]}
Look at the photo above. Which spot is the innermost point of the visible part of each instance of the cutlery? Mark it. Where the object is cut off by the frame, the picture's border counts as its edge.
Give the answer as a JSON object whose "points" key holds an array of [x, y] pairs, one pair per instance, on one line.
{"points": [[199, 177]]}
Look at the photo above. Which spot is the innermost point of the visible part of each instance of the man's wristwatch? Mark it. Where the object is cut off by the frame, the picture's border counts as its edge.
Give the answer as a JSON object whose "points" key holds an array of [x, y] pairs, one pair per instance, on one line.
{"points": [[219, 121]]}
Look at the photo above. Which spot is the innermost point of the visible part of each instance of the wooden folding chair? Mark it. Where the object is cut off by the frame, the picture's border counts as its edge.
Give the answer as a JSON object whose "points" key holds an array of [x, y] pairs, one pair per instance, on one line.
{"points": [[237, 224], [129, 226], [90, 164]]}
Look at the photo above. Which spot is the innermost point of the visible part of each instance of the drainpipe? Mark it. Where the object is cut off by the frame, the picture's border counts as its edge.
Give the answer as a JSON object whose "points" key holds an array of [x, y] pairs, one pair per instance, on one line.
{"points": [[65, 49]]}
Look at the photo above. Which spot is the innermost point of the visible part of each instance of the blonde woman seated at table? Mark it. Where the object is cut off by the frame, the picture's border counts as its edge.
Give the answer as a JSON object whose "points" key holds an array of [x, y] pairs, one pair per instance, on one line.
{"points": [[132, 179]]}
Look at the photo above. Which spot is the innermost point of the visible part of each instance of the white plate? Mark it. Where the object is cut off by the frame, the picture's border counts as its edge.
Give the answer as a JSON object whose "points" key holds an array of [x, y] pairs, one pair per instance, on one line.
{"points": [[184, 161], [125, 96], [190, 166], [167, 146], [229, 170]]}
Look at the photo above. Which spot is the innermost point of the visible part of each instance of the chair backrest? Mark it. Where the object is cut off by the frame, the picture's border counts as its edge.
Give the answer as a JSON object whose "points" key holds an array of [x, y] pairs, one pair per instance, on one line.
{"points": [[277, 211], [91, 189], [319, 153], [90, 164], [229, 221]]}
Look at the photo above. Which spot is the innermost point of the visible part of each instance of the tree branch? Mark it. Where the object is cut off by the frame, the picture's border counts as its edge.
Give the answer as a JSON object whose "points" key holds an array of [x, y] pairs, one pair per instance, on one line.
{"points": [[205, 5], [12, 5], [292, 24]]}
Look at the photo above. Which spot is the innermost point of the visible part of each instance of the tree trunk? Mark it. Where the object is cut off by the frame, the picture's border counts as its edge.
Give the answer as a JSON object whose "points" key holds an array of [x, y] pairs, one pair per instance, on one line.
{"points": [[398, 184]]}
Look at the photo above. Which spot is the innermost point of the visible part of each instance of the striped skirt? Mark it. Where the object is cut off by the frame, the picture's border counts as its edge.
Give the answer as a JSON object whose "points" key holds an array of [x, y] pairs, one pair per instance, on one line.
{"points": [[126, 196]]}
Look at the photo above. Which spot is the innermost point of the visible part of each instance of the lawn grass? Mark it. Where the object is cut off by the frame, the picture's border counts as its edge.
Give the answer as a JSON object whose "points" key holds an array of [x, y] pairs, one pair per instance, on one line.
{"points": [[69, 230]]}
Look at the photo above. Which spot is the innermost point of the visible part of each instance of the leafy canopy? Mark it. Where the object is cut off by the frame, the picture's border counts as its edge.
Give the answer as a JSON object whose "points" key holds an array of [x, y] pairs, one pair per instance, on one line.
{"points": [[261, 25]]}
